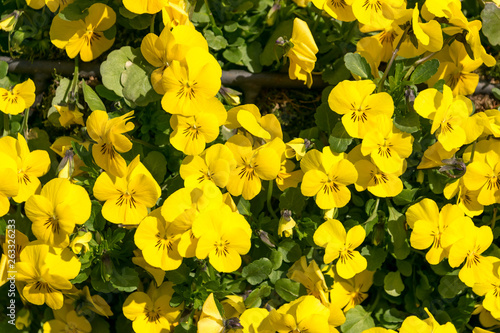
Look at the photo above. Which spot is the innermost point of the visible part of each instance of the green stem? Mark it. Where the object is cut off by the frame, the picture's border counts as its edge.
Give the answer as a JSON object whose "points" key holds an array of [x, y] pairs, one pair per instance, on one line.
{"points": [[472, 153], [375, 303], [210, 15], [24, 128], [152, 26], [389, 65], [494, 219], [144, 143], [6, 124], [76, 73], [269, 197]]}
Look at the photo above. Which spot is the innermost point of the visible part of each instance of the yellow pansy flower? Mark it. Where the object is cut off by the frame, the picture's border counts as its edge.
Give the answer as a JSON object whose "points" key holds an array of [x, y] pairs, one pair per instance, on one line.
{"points": [[212, 321], [440, 8], [158, 274], [466, 199], [53, 5], [377, 13], [9, 185], [174, 15], [214, 164], [191, 134], [56, 210], [21, 240], [81, 242], [30, 166], [379, 183], [110, 141], [223, 236], [338, 9], [449, 115], [248, 117], [86, 36], [62, 146], [490, 290], [252, 165], [436, 229], [286, 224], [477, 268], [491, 122], [339, 244], [145, 6], [159, 241], [378, 330], [69, 116], [359, 107], [191, 83], [326, 176], [151, 311], [9, 21], [434, 156], [413, 324], [311, 277], [171, 45], [66, 319], [484, 176], [297, 148], [387, 146], [128, 198], [302, 55], [20, 98], [348, 293], [305, 314], [84, 300], [252, 319], [46, 271]]}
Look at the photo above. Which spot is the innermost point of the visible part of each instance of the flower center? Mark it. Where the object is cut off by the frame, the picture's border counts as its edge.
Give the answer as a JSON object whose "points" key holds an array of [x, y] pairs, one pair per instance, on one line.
{"points": [[52, 223], [221, 247], [153, 315], [346, 254], [375, 5], [192, 131], [126, 199], [187, 90]]}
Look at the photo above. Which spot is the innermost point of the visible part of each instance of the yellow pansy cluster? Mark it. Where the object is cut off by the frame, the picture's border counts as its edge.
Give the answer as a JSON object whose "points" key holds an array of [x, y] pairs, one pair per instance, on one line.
{"points": [[193, 216]]}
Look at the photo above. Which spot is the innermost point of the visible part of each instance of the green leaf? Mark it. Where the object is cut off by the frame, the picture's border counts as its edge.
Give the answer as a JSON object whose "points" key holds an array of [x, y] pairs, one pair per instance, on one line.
{"points": [[396, 228], [127, 280], [375, 257], [251, 56], [136, 82], [393, 284], [156, 163], [216, 43], [450, 285], [408, 122], [91, 98], [233, 55], [339, 139], [257, 271], [106, 93], [337, 73], [243, 206], [491, 23], [293, 200], [425, 71], [254, 299], [325, 118], [115, 65], [76, 10], [357, 320], [358, 65], [287, 289], [290, 250], [4, 68], [179, 275], [496, 92]]}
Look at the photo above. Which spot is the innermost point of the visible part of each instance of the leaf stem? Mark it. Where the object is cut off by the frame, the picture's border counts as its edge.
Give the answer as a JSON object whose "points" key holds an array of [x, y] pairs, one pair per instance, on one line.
{"points": [[473, 151], [24, 128], [375, 303], [152, 26], [211, 16], [269, 197], [6, 124], [389, 65]]}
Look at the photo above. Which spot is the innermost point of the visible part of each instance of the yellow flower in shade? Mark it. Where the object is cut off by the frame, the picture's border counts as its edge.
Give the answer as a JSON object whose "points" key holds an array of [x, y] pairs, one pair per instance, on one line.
{"points": [[214, 164], [477, 268], [151, 311], [413, 324], [69, 117], [110, 141], [55, 211], [171, 45], [9, 21], [192, 133], [376, 13], [434, 156], [346, 294], [21, 97], [191, 83], [490, 289], [158, 274], [9, 185], [159, 241], [302, 55], [436, 229], [248, 117], [288, 176], [21, 240], [457, 70], [71, 162], [127, 199], [67, 320], [378, 182], [447, 114], [174, 15], [252, 320], [145, 6], [223, 236], [326, 175], [466, 199], [212, 321], [286, 224], [85, 37], [81, 242], [305, 314], [387, 146], [30, 166], [46, 271], [359, 107], [311, 277], [338, 9], [252, 165], [440, 8], [491, 122], [84, 301], [53, 5], [297, 148], [339, 244], [484, 176]]}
